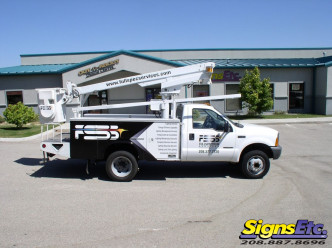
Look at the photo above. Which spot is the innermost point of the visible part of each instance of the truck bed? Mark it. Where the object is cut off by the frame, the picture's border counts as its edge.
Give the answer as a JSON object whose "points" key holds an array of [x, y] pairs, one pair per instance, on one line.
{"points": [[58, 139], [153, 138]]}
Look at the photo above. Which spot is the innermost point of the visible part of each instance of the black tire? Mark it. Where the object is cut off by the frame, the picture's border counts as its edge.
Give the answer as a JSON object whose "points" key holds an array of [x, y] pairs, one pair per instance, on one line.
{"points": [[255, 164], [121, 166]]}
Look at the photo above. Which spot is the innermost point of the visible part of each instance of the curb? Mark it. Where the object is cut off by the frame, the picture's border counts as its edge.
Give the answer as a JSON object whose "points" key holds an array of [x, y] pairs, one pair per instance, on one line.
{"points": [[21, 139], [29, 138], [289, 121]]}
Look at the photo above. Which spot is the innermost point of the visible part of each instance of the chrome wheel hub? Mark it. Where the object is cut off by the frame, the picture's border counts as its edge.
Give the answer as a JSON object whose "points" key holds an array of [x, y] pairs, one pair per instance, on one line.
{"points": [[256, 165], [121, 166]]}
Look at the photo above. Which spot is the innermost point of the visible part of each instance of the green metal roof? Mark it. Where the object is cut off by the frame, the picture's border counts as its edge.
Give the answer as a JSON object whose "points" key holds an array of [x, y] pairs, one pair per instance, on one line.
{"points": [[326, 61], [220, 63], [34, 69], [61, 68], [235, 49], [249, 63], [185, 49]]}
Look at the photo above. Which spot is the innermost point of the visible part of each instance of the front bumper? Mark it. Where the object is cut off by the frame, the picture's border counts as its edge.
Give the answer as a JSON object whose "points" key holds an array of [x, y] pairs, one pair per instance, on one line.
{"points": [[276, 151]]}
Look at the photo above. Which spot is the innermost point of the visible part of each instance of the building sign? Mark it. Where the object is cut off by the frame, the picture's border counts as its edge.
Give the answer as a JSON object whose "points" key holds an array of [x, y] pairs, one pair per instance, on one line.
{"points": [[108, 66], [226, 76]]}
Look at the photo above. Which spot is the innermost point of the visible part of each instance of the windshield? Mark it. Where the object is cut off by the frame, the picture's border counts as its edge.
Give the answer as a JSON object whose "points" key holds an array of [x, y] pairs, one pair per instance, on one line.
{"points": [[234, 123], [229, 120]]}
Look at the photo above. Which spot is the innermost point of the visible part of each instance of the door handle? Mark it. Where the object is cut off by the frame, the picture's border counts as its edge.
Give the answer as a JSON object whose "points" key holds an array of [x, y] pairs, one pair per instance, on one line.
{"points": [[191, 136]]}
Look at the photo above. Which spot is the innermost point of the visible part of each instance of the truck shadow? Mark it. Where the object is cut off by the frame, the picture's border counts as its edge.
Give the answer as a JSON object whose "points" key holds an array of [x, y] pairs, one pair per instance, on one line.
{"points": [[162, 170], [57, 168], [75, 169]]}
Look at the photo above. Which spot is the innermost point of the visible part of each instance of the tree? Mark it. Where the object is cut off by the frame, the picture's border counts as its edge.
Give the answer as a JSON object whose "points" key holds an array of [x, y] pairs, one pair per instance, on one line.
{"points": [[19, 114], [256, 94]]}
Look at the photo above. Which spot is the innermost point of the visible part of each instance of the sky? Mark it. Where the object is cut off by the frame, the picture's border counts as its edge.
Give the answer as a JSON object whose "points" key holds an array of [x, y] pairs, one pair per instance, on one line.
{"points": [[60, 26]]}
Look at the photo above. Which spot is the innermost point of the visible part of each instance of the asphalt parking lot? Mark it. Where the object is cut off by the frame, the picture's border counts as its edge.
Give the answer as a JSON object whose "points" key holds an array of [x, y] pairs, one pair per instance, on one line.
{"points": [[167, 205]]}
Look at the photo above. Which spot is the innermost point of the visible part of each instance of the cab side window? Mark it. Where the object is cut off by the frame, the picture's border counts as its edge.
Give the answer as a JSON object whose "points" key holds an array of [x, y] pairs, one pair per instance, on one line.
{"points": [[179, 112], [207, 119]]}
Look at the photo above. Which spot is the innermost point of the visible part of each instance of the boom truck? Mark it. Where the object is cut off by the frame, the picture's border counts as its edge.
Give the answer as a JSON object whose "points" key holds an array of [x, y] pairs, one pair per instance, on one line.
{"points": [[179, 131]]}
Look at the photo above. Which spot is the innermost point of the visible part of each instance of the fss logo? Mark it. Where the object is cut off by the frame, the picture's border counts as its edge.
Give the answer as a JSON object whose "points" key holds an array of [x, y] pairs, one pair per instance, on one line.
{"points": [[98, 132], [210, 138]]}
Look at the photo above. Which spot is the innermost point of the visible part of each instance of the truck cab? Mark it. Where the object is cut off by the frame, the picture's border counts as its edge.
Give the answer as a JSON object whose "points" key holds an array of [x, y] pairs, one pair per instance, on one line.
{"points": [[207, 135]]}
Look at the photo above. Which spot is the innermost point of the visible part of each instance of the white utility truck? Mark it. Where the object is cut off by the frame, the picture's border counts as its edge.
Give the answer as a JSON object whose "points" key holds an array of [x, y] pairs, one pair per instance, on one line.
{"points": [[178, 131]]}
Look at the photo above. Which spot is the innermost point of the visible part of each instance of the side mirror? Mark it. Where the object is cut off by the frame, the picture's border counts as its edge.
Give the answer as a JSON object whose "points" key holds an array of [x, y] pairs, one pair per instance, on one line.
{"points": [[224, 128], [227, 127]]}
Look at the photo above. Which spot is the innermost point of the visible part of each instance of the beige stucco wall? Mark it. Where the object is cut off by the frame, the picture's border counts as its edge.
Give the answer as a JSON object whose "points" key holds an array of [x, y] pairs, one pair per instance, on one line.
{"points": [[126, 63]]}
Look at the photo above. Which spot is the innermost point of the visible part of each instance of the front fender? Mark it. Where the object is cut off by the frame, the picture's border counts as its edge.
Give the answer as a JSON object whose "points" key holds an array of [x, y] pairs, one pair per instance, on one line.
{"points": [[259, 143]]}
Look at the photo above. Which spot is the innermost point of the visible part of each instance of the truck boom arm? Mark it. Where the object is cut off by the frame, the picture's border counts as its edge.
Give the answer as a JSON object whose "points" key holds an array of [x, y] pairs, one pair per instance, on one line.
{"points": [[170, 80], [52, 101]]}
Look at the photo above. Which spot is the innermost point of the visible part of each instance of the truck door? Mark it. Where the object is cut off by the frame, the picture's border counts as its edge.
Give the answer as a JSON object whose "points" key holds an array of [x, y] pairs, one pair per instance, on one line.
{"points": [[207, 139]]}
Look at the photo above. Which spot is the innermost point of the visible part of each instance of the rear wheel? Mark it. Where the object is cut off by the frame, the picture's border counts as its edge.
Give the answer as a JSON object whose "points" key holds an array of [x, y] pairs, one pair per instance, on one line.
{"points": [[255, 164], [121, 166]]}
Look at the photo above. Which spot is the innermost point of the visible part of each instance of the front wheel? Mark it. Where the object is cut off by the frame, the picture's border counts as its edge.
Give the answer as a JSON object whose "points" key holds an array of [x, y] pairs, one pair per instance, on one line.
{"points": [[121, 166], [255, 164]]}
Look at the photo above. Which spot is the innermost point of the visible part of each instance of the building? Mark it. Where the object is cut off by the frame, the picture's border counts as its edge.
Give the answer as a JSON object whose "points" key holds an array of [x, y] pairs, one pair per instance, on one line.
{"points": [[301, 78]]}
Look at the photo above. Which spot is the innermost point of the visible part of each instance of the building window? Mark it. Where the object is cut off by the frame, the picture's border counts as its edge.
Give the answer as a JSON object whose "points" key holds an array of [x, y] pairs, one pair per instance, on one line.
{"points": [[14, 97], [151, 93], [103, 97], [296, 96], [97, 99], [233, 104], [201, 91]]}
